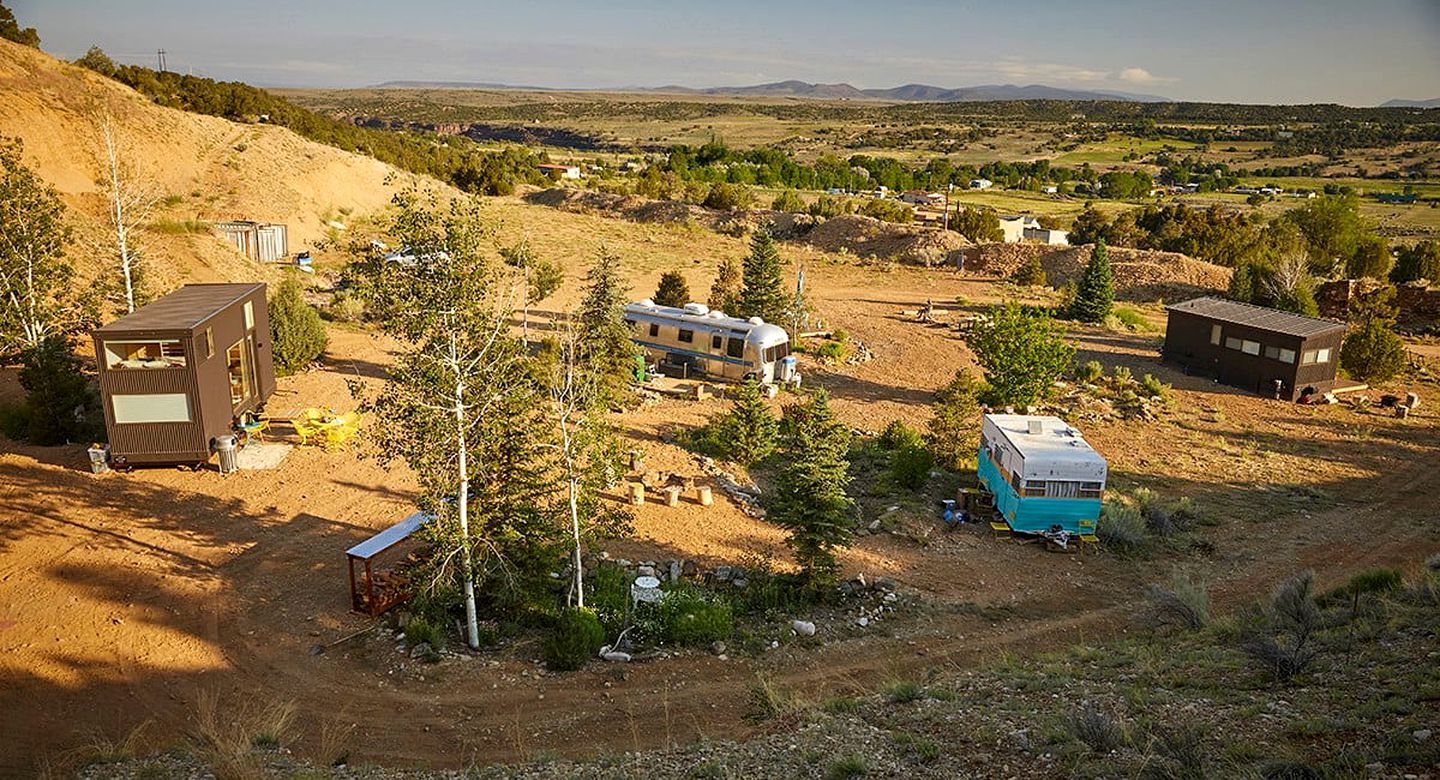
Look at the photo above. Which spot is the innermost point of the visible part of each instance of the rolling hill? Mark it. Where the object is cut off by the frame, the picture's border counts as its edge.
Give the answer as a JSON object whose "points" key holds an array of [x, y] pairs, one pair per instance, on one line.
{"points": [[208, 169]]}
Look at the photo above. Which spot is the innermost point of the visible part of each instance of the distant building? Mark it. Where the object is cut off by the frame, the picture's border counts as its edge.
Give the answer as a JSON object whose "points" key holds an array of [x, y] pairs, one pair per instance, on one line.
{"points": [[1014, 227], [1391, 197], [561, 171], [914, 196], [1047, 236], [1266, 351], [265, 242], [981, 184], [1049, 189]]}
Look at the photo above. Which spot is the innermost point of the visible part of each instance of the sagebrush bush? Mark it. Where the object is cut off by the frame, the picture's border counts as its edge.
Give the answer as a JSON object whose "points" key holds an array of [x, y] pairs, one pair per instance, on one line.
{"points": [[1094, 727], [297, 334], [1121, 528], [420, 631], [1285, 643], [1184, 603], [575, 638]]}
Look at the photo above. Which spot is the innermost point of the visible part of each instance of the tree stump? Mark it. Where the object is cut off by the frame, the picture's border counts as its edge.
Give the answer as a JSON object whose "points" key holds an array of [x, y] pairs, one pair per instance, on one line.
{"points": [[637, 493], [672, 495], [704, 495]]}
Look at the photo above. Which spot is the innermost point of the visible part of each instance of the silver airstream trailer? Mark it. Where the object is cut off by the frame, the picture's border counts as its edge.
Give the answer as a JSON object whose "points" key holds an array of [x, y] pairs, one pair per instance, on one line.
{"points": [[695, 341]]}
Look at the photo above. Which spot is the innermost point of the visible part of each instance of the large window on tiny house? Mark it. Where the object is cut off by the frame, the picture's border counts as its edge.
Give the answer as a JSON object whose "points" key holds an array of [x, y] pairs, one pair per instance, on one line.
{"points": [[1214, 334], [150, 408], [1250, 347], [1281, 354], [237, 362], [249, 315], [150, 353], [1312, 356], [687, 336]]}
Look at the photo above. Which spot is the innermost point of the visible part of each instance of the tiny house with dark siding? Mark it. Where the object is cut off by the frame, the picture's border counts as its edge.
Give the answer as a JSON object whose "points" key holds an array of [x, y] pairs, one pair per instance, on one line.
{"points": [[1266, 351], [178, 372]]}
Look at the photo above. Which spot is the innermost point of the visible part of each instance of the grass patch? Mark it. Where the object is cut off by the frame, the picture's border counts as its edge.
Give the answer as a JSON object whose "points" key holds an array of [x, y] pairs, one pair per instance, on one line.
{"points": [[178, 227]]}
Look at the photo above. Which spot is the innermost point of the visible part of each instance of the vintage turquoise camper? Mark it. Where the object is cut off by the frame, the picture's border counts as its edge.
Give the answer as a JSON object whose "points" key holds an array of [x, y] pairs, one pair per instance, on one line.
{"points": [[1043, 474]]}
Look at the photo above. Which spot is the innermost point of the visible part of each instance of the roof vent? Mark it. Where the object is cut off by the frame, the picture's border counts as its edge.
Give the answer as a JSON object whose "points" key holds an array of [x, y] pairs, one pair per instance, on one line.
{"points": [[647, 303], [1036, 427], [716, 314], [755, 321], [698, 309]]}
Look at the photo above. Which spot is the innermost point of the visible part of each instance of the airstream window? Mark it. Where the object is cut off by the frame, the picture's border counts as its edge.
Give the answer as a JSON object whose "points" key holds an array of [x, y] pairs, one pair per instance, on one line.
{"points": [[717, 342], [654, 329], [735, 348], [777, 352], [687, 336], [1090, 489]]}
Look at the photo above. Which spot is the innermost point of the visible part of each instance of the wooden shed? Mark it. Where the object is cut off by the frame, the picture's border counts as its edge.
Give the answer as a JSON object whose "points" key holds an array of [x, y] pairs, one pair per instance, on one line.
{"points": [[1266, 351], [266, 242], [178, 372]]}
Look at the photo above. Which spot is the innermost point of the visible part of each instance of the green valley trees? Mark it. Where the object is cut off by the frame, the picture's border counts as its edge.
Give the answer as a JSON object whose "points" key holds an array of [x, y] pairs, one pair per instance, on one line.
{"points": [[977, 224], [809, 499], [1371, 259], [672, 290], [1022, 351], [1421, 261], [11, 30], [1095, 295], [604, 338], [725, 292], [297, 334], [763, 292]]}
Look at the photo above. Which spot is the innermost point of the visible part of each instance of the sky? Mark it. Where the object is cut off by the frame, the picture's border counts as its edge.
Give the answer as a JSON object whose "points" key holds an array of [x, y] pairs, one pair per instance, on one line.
{"points": [[1355, 52]]}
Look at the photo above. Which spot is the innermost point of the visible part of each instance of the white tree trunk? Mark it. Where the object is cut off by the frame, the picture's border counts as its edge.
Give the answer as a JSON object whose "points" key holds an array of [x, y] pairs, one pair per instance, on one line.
{"points": [[472, 626], [117, 202]]}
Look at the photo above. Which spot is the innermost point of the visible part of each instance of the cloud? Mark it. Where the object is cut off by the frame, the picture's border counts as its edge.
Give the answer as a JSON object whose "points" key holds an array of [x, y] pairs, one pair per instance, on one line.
{"points": [[1142, 76]]}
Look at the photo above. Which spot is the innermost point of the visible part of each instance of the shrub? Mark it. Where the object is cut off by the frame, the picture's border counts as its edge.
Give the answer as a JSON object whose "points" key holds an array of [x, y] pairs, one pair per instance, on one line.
{"points": [[1023, 353], [896, 435], [688, 618], [1284, 643], [905, 691], [420, 631], [835, 351], [1370, 582], [297, 334], [910, 466], [1185, 603], [346, 306], [1121, 528], [846, 767], [57, 395], [672, 291], [1031, 274], [888, 211], [575, 639], [1130, 318], [954, 434], [1154, 387], [789, 200], [826, 206], [1372, 352], [1089, 372], [729, 197], [1180, 754], [608, 594], [1095, 728]]}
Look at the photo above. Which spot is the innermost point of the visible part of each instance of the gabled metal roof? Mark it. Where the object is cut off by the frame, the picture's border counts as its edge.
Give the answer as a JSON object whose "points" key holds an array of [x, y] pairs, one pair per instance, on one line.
{"points": [[183, 309], [1260, 317]]}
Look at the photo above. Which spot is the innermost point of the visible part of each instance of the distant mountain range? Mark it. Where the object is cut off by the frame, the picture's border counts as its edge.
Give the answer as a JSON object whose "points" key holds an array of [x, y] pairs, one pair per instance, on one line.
{"points": [[1402, 103], [805, 89]]}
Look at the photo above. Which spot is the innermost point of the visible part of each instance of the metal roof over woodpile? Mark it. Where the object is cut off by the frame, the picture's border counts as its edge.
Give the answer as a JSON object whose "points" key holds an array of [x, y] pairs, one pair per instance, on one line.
{"points": [[183, 309], [1260, 317]]}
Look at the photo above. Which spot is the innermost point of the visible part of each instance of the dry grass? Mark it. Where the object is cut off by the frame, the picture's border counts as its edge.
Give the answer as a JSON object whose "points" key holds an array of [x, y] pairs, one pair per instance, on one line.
{"points": [[228, 736]]}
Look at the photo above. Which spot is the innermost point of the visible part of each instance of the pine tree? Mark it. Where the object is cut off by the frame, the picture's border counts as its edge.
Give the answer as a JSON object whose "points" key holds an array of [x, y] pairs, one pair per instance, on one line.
{"points": [[297, 334], [809, 499], [763, 293], [1096, 293], [753, 428], [1031, 273], [605, 346], [725, 293], [672, 291], [954, 433], [1372, 352]]}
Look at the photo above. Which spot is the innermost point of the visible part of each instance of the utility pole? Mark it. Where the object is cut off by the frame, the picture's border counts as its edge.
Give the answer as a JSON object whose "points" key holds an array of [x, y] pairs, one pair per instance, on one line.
{"points": [[160, 55]]}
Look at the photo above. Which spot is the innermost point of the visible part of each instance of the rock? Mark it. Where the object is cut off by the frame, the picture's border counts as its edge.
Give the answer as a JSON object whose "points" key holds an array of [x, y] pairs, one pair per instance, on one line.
{"points": [[803, 627], [741, 583], [873, 526], [645, 571], [863, 622], [718, 648], [1021, 738], [674, 570], [1421, 735], [689, 569], [885, 584], [891, 597], [617, 656]]}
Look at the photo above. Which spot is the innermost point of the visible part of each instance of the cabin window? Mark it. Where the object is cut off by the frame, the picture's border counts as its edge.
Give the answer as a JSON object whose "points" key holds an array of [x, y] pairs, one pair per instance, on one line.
{"points": [[1250, 347], [209, 343], [156, 353], [1214, 334], [687, 336], [717, 342], [1034, 487], [1313, 356], [1232, 343], [735, 347], [1272, 352], [150, 408], [1287, 356], [1322, 356], [238, 368], [1090, 489], [249, 315], [654, 330]]}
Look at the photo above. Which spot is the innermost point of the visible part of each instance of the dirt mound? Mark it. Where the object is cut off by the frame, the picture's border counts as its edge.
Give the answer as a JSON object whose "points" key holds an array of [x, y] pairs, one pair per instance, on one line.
{"points": [[208, 169], [869, 237], [631, 207], [1140, 274]]}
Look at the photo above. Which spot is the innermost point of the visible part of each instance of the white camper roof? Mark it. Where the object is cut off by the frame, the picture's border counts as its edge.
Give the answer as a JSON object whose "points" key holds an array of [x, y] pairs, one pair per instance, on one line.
{"points": [[1048, 447], [701, 315]]}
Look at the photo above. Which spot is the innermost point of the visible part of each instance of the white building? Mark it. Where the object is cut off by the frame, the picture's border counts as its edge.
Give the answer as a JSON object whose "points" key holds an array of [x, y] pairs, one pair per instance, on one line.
{"points": [[981, 184], [1014, 227], [1049, 189], [1047, 236], [563, 171]]}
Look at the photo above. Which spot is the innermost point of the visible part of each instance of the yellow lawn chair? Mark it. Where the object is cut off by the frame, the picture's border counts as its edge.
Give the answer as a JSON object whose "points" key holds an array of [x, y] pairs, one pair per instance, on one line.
{"points": [[308, 425], [340, 430]]}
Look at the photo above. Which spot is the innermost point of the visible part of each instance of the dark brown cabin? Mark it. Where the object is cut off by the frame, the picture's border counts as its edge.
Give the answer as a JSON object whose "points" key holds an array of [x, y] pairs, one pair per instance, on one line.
{"points": [[1253, 348], [178, 372]]}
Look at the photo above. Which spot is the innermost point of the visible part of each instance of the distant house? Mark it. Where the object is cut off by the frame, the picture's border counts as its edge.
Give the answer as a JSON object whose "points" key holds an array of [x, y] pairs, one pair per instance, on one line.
{"points": [[1391, 197], [1047, 236], [981, 184], [561, 171], [1014, 227], [1049, 189], [265, 242], [922, 198], [1266, 351]]}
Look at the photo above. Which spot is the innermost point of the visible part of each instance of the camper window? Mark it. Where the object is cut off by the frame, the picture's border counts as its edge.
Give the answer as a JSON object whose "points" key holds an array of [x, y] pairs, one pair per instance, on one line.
{"points": [[1034, 487], [735, 348], [654, 330], [159, 353], [777, 352], [717, 342], [1090, 489], [687, 336]]}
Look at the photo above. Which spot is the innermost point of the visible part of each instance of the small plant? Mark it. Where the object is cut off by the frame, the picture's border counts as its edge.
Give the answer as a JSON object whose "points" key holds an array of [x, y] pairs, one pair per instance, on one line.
{"points": [[853, 765], [346, 307], [1285, 642], [834, 351], [905, 691], [1095, 728], [1154, 387], [1089, 372], [841, 705], [688, 618], [1185, 603], [575, 639], [1121, 375], [1130, 319], [1370, 582], [1121, 528], [420, 631]]}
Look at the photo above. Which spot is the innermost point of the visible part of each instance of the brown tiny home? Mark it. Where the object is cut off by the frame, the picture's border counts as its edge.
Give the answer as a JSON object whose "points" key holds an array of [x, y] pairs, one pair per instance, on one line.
{"points": [[1254, 348], [176, 373]]}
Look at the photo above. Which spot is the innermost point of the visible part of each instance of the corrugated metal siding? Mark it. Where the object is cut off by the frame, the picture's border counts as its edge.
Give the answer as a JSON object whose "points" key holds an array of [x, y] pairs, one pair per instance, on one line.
{"points": [[1187, 344], [152, 442], [271, 244]]}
